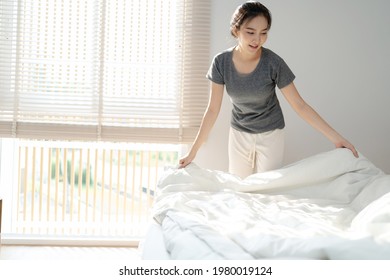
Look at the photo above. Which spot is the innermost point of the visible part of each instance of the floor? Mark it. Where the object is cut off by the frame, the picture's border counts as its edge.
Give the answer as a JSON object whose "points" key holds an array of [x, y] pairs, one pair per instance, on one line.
{"points": [[8, 252]]}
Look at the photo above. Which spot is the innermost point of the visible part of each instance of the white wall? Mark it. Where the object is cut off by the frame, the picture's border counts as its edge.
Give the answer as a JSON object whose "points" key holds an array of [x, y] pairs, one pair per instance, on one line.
{"points": [[339, 53]]}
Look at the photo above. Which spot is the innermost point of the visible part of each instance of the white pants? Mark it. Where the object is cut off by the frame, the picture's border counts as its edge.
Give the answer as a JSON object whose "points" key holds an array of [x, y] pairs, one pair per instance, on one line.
{"points": [[250, 153]]}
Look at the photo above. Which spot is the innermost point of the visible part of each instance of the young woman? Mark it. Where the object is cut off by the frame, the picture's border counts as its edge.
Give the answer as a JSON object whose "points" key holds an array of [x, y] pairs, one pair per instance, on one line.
{"points": [[250, 74]]}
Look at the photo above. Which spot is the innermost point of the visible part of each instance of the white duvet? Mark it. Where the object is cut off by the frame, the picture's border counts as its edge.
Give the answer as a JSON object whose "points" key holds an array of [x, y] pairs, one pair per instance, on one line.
{"points": [[329, 206]]}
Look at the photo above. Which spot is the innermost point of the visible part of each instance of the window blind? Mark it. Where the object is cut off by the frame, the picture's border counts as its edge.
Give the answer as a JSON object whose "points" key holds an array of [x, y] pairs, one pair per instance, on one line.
{"points": [[123, 70]]}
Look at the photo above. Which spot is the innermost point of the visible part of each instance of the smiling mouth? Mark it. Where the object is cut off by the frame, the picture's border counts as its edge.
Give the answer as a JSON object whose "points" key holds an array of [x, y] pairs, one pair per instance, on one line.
{"points": [[253, 46]]}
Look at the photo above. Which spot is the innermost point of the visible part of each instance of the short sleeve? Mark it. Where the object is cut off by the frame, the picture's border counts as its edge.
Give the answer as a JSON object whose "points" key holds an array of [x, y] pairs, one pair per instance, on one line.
{"points": [[215, 73], [284, 75]]}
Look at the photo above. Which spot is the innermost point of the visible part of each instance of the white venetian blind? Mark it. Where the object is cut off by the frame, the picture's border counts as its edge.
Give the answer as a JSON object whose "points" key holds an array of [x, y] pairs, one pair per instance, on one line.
{"points": [[123, 70]]}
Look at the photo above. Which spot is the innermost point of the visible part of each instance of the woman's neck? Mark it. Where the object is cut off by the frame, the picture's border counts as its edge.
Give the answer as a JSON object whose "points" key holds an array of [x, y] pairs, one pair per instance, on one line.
{"points": [[245, 63], [247, 56]]}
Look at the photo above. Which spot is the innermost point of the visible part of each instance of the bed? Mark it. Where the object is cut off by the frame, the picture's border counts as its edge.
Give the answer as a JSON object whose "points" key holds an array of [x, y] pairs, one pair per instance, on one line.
{"points": [[328, 206]]}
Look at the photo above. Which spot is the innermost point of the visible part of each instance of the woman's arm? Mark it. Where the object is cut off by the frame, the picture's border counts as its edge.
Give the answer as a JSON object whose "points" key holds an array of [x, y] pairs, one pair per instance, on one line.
{"points": [[208, 121], [314, 119]]}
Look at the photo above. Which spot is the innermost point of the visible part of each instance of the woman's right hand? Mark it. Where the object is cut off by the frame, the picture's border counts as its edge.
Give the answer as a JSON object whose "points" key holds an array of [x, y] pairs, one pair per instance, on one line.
{"points": [[183, 162]]}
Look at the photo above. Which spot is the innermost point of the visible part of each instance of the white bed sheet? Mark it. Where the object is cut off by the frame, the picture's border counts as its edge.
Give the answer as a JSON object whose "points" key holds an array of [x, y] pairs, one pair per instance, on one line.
{"points": [[152, 247], [329, 206]]}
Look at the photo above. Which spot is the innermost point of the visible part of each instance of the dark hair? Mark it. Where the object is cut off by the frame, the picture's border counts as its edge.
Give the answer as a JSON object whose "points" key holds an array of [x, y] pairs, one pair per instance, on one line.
{"points": [[248, 11]]}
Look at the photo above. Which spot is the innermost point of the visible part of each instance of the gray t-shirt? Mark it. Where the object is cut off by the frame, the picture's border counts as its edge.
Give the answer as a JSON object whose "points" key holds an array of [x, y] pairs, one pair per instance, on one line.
{"points": [[256, 108]]}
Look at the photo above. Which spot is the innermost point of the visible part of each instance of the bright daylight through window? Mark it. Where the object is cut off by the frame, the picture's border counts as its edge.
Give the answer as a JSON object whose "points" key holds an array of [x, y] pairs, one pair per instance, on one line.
{"points": [[109, 75]]}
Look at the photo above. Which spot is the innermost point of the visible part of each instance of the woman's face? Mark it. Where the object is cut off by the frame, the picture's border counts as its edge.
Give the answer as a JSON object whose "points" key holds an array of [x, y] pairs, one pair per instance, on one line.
{"points": [[252, 34]]}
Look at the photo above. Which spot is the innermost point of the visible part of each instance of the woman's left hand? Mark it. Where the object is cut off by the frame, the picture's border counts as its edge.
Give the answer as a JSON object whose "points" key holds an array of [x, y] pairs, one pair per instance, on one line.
{"points": [[346, 144]]}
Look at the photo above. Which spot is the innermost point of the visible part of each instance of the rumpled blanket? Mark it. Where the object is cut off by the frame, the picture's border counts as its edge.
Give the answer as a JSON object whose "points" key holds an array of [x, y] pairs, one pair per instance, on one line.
{"points": [[328, 206]]}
